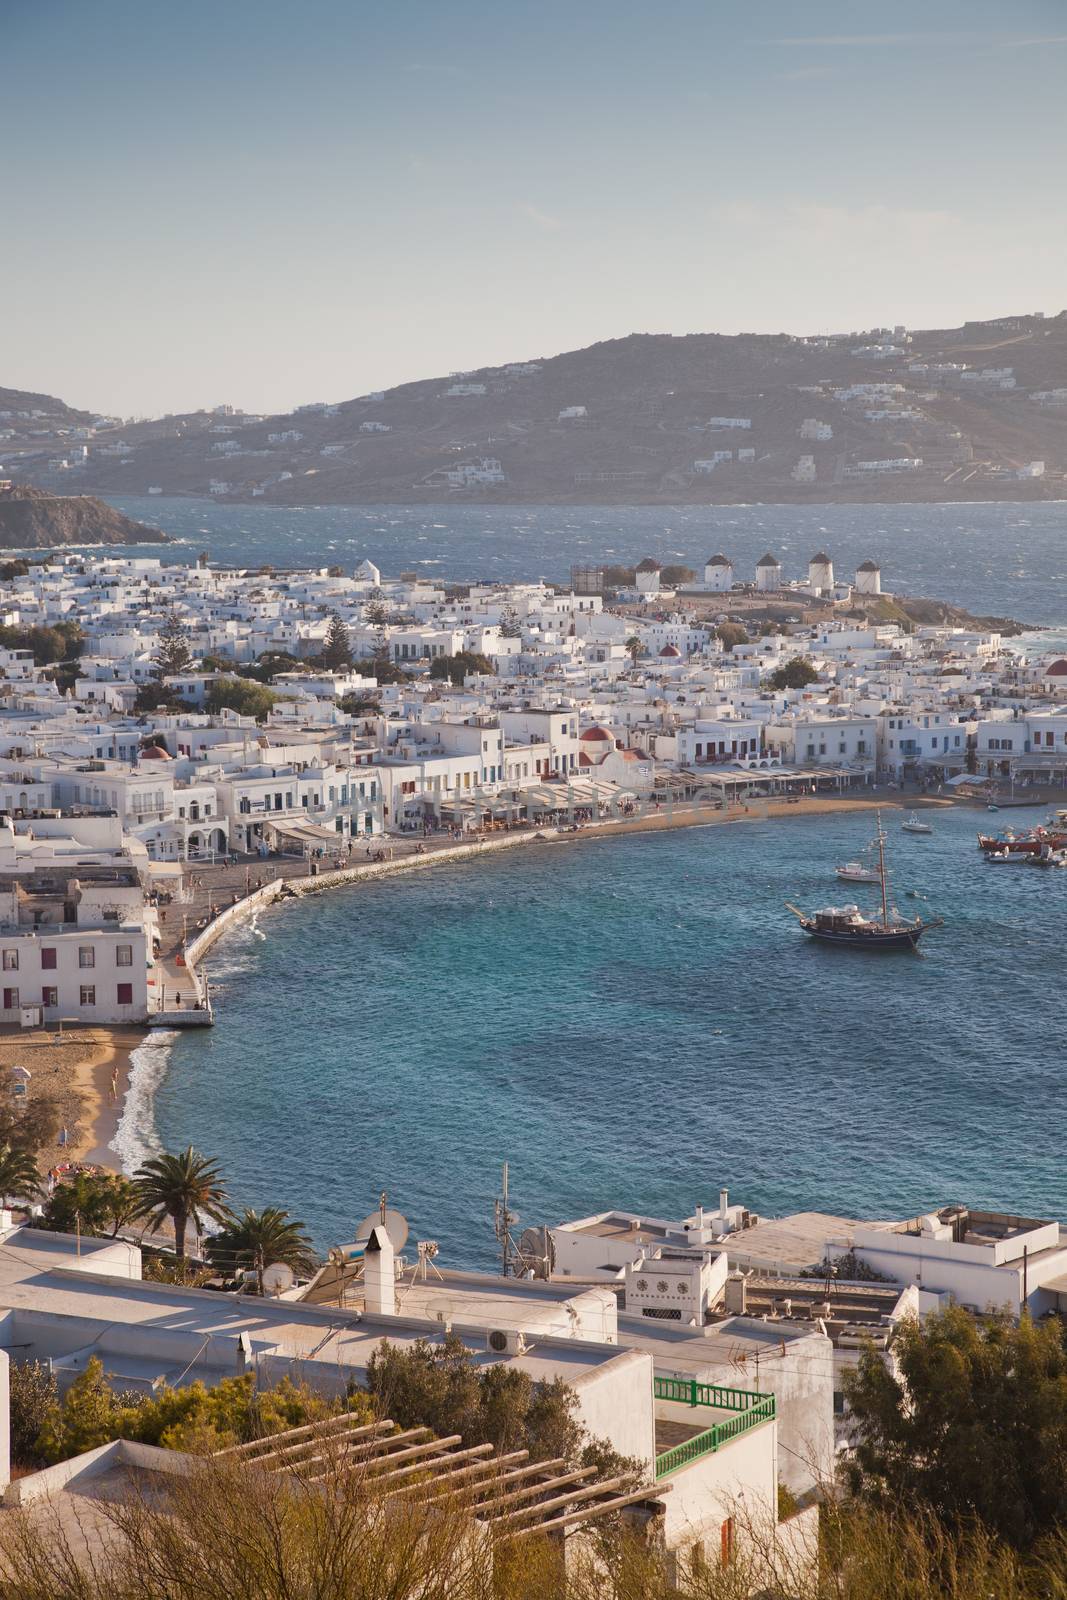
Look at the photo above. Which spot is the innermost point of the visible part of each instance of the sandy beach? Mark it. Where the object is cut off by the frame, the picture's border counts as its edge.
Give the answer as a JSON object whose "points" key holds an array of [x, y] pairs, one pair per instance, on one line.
{"points": [[86, 1071]]}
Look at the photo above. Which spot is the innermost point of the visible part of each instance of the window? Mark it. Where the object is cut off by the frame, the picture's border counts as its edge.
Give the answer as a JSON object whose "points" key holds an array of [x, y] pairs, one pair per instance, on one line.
{"points": [[87, 994], [49, 996], [727, 1541], [125, 994], [86, 955], [11, 961], [124, 955], [48, 958], [11, 999]]}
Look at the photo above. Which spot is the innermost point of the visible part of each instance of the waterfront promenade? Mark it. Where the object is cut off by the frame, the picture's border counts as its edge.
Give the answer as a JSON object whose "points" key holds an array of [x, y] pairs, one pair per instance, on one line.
{"points": [[217, 896]]}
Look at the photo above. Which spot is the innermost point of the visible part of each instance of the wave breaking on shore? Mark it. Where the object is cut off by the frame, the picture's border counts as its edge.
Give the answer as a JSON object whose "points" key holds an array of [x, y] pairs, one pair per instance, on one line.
{"points": [[135, 1137]]}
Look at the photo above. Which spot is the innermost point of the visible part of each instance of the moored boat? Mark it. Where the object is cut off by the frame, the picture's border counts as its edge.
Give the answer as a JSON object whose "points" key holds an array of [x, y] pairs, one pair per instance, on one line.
{"points": [[1026, 844], [914, 825], [1046, 858], [858, 872], [847, 924]]}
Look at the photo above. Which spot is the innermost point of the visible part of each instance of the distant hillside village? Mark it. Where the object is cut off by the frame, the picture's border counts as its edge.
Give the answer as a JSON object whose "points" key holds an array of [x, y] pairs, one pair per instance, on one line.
{"points": [[973, 412], [153, 717]]}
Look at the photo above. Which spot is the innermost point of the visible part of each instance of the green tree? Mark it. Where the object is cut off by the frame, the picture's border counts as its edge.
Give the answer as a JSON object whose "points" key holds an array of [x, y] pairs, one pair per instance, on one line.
{"points": [[33, 1392], [337, 650], [19, 1177], [438, 1386], [84, 1420], [27, 1124], [192, 1418], [98, 1203], [635, 648], [183, 1188], [510, 626], [172, 652], [152, 697], [359, 705], [795, 674], [464, 664], [671, 577], [376, 613], [730, 634], [242, 695], [384, 671], [975, 1426], [262, 1239], [57, 643]]}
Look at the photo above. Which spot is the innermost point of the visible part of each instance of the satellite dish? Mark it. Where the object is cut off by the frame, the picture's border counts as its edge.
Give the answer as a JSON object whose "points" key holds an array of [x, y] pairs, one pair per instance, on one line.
{"points": [[535, 1251], [278, 1276], [396, 1226]]}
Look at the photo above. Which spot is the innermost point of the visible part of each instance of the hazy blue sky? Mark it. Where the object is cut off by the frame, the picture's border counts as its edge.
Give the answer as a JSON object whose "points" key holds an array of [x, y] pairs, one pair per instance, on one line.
{"points": [[270, 203]]}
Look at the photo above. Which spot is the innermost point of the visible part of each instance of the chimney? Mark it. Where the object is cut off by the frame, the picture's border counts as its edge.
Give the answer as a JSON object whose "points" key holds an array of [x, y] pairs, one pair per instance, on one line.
{"points": [[724, 1205], [736, 1293], [379, 1275]]}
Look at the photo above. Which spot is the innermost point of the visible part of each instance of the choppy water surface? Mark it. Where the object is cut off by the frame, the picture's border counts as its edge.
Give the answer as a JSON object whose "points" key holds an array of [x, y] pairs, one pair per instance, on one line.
{"points": [[1008, 560], [634, 1021]]}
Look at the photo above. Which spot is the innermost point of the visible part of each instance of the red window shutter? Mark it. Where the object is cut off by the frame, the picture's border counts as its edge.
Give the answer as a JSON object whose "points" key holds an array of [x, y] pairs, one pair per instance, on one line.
{"points": [[48, 957]]}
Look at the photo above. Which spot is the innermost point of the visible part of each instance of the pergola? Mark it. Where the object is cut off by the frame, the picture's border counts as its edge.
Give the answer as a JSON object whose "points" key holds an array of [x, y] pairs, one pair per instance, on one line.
{"points": [[507, 1493]]}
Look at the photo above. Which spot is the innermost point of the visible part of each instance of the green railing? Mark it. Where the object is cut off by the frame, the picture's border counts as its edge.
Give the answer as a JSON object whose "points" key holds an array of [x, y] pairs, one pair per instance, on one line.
{"points": [[750, 1410], [687, 1392]]}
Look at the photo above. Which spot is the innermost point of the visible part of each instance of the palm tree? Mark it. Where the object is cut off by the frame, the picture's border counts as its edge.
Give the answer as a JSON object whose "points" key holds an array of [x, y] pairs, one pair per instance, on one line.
{"points": [[186, 1188], [260, 1239], [97, 1203], [634, 646], [19, 1177]]}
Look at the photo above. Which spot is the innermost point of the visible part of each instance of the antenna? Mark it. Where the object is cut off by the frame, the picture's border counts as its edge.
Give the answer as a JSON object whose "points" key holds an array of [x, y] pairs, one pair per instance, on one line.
{"points": [[427, 1251], [394, 1222], [503, 1222]]}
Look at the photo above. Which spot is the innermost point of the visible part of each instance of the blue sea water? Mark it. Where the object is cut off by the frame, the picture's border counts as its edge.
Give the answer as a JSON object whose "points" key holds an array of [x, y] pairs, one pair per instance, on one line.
{"points": [[1008, 560], [633, 1021]]}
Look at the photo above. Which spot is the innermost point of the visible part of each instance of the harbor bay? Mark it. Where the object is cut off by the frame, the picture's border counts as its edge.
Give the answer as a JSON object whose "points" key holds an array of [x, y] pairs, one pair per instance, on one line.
{"points": [[637, 1014]]}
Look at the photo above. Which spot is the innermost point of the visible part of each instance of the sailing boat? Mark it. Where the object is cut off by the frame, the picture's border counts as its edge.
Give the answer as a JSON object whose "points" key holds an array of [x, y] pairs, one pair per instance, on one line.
{"points": [[848, 925]]}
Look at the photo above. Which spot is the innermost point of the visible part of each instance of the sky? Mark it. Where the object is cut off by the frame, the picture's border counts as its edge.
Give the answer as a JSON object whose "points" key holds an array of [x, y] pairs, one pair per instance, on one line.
{"points": [[267, 203]]}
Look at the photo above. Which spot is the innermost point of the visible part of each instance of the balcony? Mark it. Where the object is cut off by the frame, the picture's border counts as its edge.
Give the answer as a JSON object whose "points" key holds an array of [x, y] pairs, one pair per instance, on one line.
{"points": [[744, 1408]]}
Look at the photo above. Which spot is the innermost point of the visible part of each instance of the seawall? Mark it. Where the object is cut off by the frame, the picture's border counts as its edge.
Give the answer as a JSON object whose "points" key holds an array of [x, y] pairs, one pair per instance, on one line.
{"points": [[245, 909]]}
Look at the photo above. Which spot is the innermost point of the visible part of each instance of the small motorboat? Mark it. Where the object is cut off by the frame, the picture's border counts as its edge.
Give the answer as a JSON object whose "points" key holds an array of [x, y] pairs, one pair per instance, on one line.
{"points": [[913, 825], [858, 872], [1047, 858], [1005, 857]]}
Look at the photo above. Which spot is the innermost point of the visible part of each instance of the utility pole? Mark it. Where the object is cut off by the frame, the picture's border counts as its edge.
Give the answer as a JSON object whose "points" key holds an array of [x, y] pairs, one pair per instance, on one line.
{"points": [[503, 1222]]}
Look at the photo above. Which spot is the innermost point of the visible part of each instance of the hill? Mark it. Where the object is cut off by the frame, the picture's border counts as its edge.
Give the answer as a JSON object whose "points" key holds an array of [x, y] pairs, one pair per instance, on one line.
{"points": [[883, 415], [31, 519]]}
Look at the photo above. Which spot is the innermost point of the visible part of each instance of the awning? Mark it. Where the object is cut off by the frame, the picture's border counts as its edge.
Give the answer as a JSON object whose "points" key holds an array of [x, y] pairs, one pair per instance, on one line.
{"points": [[306, 832]]}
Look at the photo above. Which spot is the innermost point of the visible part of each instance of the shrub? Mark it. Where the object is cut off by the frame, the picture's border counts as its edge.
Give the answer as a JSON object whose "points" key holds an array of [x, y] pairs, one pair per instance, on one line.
{"points": [[33, 1391], [194, 1418]]}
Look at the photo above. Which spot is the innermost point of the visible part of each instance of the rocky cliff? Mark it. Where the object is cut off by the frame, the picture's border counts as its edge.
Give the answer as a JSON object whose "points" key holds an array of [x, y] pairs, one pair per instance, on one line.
{"points": [[30, 519]]}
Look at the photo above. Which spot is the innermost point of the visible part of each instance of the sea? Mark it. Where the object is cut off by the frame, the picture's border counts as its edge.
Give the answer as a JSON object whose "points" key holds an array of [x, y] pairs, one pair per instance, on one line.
{"points": [[636, 1021], [1000, 560]]}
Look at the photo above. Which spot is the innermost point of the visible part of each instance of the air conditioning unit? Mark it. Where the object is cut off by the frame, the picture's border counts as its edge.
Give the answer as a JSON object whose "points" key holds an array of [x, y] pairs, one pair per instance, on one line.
{"points": [[506, 1341]]}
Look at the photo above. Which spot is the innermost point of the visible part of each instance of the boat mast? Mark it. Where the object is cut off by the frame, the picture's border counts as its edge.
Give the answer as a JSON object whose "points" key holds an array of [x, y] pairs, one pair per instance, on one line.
{"points": [[881, 870]]}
